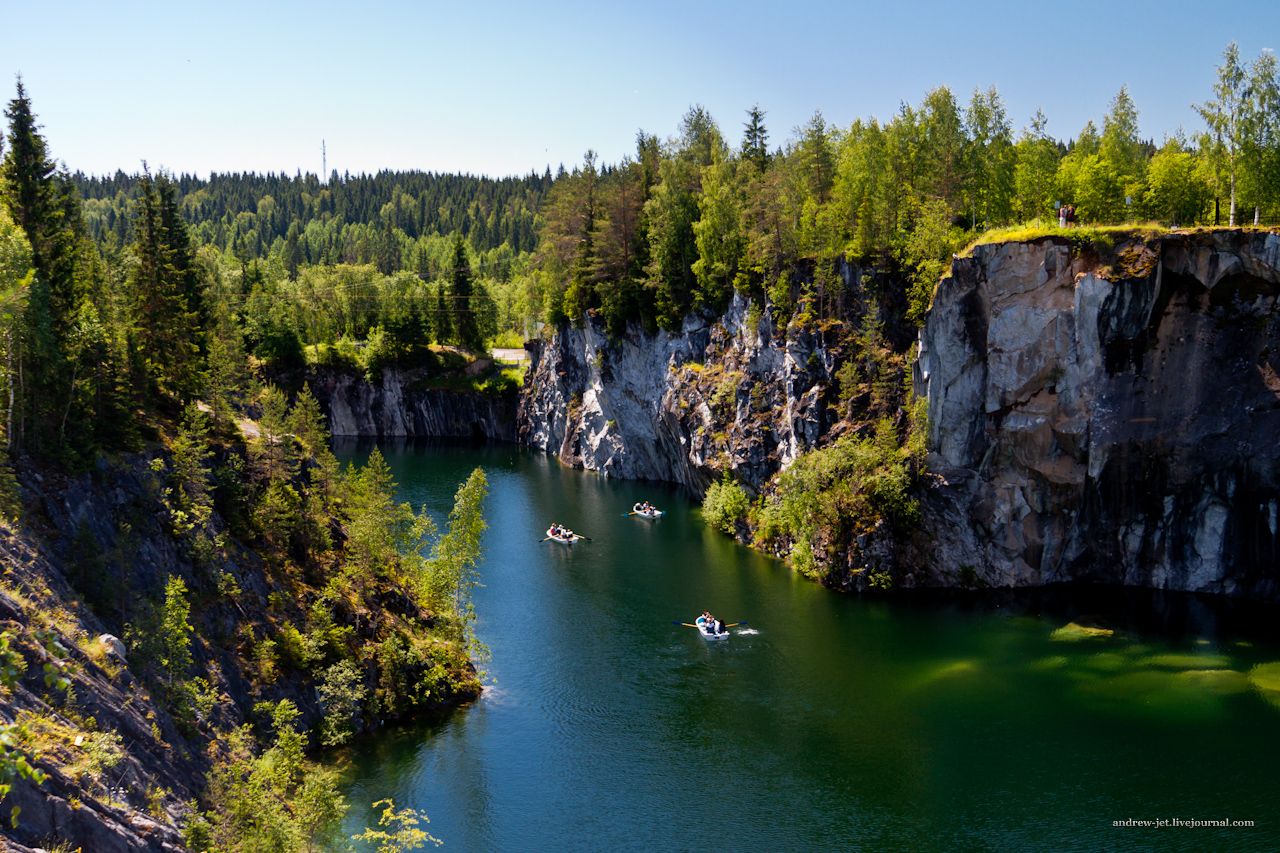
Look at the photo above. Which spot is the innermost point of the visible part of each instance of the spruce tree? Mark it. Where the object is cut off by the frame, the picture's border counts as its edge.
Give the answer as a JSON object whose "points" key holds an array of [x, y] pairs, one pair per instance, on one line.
{"points": [[443, 316], [43, 204], [166, 294], [755, 139], [463, 287]]}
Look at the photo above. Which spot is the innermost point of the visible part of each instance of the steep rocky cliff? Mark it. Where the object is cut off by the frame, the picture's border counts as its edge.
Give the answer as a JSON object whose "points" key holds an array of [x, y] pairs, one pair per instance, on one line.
{"points": [[1107, 414], [736, 392], [398, 403], [1103, 410]]}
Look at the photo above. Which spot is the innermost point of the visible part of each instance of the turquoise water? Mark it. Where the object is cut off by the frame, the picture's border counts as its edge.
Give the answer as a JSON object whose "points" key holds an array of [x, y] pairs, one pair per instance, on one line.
{"points": [[832, 722]]}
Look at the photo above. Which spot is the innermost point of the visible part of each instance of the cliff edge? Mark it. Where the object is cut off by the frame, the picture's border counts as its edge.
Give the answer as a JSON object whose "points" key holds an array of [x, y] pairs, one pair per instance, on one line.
{"points": [[1106, 413]]}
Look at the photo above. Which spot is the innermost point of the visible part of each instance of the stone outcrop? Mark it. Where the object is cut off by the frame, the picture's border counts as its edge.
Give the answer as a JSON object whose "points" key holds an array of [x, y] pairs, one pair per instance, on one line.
{"points": [[731, 392], [398, 403], [1106, 415]]}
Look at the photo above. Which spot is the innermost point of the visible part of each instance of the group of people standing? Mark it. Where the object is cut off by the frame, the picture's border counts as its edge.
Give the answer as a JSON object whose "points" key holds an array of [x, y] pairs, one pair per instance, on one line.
{"points": [[1066, 215]]}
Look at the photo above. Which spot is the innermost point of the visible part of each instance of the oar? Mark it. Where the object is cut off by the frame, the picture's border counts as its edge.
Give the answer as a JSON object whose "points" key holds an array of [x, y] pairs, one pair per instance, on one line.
{"points": [[685, 624], [629, 514], [580, 536], [736, 624]]}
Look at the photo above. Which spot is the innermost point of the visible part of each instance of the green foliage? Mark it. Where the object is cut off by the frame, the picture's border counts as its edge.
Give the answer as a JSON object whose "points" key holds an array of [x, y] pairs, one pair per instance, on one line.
{"points": [[1178, 188], [167, 293], [272, 802], [398, 830], [14, 762], [189, 493], [838, 492], [379, 529], [173, 633], [451, 571], [341, 693], [725, 504], [928, 251]]}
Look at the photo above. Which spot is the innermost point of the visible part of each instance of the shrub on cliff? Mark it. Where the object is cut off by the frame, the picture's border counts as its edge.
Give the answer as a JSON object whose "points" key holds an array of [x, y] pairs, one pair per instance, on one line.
{"points": [[725, 504], [831, 496]]}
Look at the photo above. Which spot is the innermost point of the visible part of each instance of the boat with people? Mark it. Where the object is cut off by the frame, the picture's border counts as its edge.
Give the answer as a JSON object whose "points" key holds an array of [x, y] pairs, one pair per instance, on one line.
{"points": [[710, 627], [644, 509], [563, 535]]}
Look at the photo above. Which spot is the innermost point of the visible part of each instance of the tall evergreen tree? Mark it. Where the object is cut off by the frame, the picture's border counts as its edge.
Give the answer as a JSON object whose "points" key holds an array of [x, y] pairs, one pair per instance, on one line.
{"points": [[462, 281], [580, 290], [48, 212], [166, 294], [755, 139]]}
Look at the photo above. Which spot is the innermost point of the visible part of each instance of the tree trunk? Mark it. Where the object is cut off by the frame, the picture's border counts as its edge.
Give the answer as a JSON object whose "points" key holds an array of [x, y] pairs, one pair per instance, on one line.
{"points": [[1232, 218], [8, 379]]}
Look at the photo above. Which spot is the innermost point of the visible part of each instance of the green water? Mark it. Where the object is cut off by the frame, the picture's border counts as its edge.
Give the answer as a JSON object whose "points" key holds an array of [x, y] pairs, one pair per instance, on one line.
{"points": [[834, 722]]}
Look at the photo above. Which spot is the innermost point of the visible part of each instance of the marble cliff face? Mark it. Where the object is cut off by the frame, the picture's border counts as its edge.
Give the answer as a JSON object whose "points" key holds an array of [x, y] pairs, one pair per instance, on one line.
{"points": [[733, 392], [1097, 412], [1110, 417]]}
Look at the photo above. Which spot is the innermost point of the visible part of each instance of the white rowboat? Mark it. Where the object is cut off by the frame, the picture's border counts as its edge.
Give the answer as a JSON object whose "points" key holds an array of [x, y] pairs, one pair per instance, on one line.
{"points": [[563, 540], [708, 632]]}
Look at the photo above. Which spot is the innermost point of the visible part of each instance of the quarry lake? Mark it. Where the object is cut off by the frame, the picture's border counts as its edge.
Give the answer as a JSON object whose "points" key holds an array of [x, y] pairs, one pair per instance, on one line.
{"points": [[914, 721]]}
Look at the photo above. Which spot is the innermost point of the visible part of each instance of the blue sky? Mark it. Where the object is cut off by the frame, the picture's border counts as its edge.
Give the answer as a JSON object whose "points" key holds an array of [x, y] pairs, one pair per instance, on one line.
{"points": [[505, 88]]}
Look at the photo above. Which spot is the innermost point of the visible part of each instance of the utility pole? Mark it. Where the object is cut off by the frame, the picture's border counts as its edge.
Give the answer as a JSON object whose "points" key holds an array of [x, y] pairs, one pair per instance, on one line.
{"points": [[324, 163]]}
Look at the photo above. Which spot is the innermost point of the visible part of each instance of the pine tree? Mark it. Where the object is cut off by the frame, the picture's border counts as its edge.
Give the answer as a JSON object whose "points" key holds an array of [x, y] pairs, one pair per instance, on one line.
{"points": [[755, 139], [443, 316], [46, 207], [463, 287], [166, 294]]}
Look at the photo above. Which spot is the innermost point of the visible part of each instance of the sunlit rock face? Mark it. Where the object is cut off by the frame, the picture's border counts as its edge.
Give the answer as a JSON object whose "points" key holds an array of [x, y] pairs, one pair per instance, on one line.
{"points": [[733, 392], [1107, 417]]}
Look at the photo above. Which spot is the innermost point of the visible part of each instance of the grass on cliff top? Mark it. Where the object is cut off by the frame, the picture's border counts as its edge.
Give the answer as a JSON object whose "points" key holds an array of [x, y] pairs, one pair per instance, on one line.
{"points": [[1097, 237]]}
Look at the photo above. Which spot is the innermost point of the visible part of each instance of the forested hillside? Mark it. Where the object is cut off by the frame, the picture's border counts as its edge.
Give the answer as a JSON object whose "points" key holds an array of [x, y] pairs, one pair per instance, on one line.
{"points": [[156, 487], [314, 269]]}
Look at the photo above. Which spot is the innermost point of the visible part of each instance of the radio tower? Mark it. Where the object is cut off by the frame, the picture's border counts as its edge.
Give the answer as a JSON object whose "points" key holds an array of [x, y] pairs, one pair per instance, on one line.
{"points": [[324, 163]]}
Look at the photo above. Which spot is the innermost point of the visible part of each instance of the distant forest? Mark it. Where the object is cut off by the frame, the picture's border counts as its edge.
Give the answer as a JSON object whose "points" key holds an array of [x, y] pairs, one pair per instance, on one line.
{"points": [[688, 220], [253, 215]]}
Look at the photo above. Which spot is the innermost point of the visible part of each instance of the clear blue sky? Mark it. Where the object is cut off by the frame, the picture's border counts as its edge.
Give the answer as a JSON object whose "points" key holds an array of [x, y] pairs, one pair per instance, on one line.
{"points": [[505, 88]]}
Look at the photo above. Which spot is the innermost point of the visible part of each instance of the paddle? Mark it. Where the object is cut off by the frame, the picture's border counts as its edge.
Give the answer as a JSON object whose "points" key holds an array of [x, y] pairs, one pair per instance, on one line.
{"points": [[685, 624]]}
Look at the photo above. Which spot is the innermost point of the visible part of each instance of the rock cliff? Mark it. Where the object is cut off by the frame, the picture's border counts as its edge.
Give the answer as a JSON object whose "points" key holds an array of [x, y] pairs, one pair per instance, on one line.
{"points": [[398, 403], [1106, 414], [731, 392], [1103, 410]]}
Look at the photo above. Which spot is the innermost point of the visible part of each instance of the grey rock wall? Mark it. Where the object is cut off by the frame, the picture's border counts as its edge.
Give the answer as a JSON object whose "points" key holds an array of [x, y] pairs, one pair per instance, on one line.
{"points": [[1106, 419], [397, 404], [728, 392]]}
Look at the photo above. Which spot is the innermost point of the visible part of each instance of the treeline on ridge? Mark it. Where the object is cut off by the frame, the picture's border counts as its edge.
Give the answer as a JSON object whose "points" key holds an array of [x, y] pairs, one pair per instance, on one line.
{"points": [[684, 223]]}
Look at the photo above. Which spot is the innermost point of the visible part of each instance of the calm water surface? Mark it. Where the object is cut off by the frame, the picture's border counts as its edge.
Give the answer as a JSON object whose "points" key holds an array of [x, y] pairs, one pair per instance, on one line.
{"points": [[832, 723]]}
